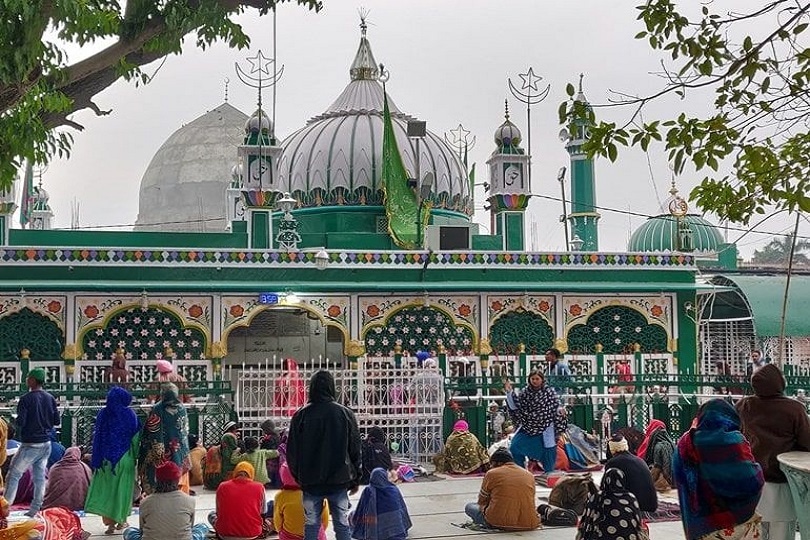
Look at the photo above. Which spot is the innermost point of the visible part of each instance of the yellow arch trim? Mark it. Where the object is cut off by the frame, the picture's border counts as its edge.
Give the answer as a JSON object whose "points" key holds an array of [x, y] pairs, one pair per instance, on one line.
{"points": [[124, 307], [450, 314], [247, 321]]}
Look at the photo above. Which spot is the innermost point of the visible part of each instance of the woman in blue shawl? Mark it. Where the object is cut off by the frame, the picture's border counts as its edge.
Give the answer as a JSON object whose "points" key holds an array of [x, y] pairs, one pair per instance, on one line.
{"points": [[718, 480], [115, 447], [381, 513], [165, 438]]}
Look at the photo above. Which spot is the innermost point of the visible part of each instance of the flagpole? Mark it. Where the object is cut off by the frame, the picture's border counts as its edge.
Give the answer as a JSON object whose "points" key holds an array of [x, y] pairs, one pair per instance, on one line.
{"points": [[274, 67]]}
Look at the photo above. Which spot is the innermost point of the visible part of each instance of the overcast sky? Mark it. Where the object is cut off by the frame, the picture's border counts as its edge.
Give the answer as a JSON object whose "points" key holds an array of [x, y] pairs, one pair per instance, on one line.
{"points": [[449, 60]]}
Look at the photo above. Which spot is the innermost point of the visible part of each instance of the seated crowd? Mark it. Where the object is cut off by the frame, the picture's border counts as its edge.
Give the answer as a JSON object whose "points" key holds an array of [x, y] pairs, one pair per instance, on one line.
{"points": [[727, 487]]}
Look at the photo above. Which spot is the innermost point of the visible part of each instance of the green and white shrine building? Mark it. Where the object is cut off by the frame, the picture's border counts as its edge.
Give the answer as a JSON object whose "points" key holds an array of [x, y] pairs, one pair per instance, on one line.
{"points": [[333, 278]]}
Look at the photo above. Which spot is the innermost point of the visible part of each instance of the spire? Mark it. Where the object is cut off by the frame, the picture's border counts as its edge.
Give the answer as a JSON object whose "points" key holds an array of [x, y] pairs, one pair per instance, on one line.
{"points": [[364, 67], [506, 109], [580, 94]]}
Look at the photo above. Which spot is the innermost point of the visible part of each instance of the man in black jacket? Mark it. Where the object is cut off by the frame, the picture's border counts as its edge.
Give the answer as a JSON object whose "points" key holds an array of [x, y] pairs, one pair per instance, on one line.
{"points": [[323, 453]]}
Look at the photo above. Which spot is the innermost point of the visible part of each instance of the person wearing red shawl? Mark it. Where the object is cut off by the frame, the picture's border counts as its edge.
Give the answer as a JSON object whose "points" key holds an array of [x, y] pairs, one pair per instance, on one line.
{"points": [[657, 449], [290, 392], [240, 506], [718, 480]]}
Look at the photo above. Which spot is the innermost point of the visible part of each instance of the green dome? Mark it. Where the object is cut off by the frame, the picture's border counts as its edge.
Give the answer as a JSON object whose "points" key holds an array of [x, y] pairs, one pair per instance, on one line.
{"points": [[659, 233]]}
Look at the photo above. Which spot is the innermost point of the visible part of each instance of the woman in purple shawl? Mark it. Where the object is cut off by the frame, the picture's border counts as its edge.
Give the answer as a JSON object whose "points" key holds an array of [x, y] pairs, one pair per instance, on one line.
{"points": [[68, 481], [381, 513], [718, 480]]}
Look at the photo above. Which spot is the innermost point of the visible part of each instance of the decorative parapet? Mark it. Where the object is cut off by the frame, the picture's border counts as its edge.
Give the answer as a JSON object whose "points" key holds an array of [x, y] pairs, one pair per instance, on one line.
{"points": [[339, 259]]}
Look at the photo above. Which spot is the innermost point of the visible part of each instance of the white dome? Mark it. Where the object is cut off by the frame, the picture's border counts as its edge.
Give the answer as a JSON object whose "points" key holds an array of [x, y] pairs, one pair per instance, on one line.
{"points": [[336, 158], [183, 188]]}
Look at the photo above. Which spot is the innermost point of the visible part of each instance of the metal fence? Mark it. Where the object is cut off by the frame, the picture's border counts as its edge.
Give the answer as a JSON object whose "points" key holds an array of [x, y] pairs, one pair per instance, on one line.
{"points": [[407, 402]]}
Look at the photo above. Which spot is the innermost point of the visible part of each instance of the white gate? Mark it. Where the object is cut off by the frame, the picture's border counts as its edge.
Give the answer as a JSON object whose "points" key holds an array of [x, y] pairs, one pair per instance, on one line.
{"points": [[406, 402]]}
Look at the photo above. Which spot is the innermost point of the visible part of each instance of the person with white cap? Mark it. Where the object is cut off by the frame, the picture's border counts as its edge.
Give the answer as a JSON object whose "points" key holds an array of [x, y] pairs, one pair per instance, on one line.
{"points": [[638, 479]]}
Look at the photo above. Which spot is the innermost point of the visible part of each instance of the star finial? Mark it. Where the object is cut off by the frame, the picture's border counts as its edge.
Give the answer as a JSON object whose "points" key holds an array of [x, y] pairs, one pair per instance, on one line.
{"points": [[530, 80], [460, 134], [260, 63], [363, 24]]}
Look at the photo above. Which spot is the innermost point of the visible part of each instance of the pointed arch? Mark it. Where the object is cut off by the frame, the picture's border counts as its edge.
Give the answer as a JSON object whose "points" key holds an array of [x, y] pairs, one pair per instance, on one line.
{"points": [[415, 328], [617, 328], [521, 326], [26, 329]]}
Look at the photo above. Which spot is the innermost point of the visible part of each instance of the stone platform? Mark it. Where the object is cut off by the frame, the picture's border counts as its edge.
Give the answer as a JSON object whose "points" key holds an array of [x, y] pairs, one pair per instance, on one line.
{"points": [[433, 505]]}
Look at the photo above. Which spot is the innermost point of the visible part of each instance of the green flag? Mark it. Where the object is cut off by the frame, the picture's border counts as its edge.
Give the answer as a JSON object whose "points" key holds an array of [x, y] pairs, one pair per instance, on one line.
{"points": [[26, 202], [401, 205]]}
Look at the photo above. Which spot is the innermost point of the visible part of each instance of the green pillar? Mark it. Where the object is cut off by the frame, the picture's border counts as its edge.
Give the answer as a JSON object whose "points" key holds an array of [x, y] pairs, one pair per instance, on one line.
{"points": [[5, 225], [687, 357], [510, 227], [260, 229]]}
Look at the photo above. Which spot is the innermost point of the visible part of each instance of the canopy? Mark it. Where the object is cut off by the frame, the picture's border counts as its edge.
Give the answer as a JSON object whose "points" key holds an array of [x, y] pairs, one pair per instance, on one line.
{"points": [[765, 294]]}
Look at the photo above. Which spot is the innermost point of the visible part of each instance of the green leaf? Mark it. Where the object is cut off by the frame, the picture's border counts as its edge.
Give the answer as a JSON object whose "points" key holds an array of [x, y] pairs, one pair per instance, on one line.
{"points": [[613, 152], [570, 90]]}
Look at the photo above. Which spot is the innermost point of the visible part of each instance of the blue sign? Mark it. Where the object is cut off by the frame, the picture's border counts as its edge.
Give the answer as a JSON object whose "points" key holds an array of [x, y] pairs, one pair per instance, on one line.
{"points": [[268, 298]]}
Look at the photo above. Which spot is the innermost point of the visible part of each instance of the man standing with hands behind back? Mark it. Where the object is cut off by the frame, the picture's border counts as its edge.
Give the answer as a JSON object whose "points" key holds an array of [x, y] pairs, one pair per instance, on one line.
{"points": [[323, 453], [36, 416]]}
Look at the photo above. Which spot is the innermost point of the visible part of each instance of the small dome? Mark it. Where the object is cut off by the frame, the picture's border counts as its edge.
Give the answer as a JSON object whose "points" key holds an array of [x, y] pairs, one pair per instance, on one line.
{"points": [[258, 121], [660, 234], [507, 134], [236, 176]]}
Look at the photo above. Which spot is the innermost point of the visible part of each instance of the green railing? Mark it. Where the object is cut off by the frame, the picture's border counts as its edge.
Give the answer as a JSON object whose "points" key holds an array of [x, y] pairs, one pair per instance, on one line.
{"points": [[671, 398], [208, 404]]}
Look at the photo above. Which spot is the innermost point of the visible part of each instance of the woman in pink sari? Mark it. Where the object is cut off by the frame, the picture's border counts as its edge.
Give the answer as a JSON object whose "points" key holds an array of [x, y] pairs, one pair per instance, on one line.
{"points": [[290, 391]]}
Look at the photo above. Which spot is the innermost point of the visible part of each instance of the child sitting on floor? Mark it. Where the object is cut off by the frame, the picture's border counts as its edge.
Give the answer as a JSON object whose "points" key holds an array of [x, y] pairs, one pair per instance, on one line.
{"points": [[257, 457], [288, 509]]}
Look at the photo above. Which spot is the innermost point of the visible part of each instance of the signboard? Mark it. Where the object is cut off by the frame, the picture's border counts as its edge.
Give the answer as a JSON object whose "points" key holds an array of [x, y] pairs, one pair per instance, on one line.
{"points": [[268, 298]]}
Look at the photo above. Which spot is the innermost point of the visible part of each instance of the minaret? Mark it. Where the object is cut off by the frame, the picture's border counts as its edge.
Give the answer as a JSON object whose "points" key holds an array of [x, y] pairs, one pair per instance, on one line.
{"points": [[41, 213], [259, 163], [583, 217], [509, 186]]}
